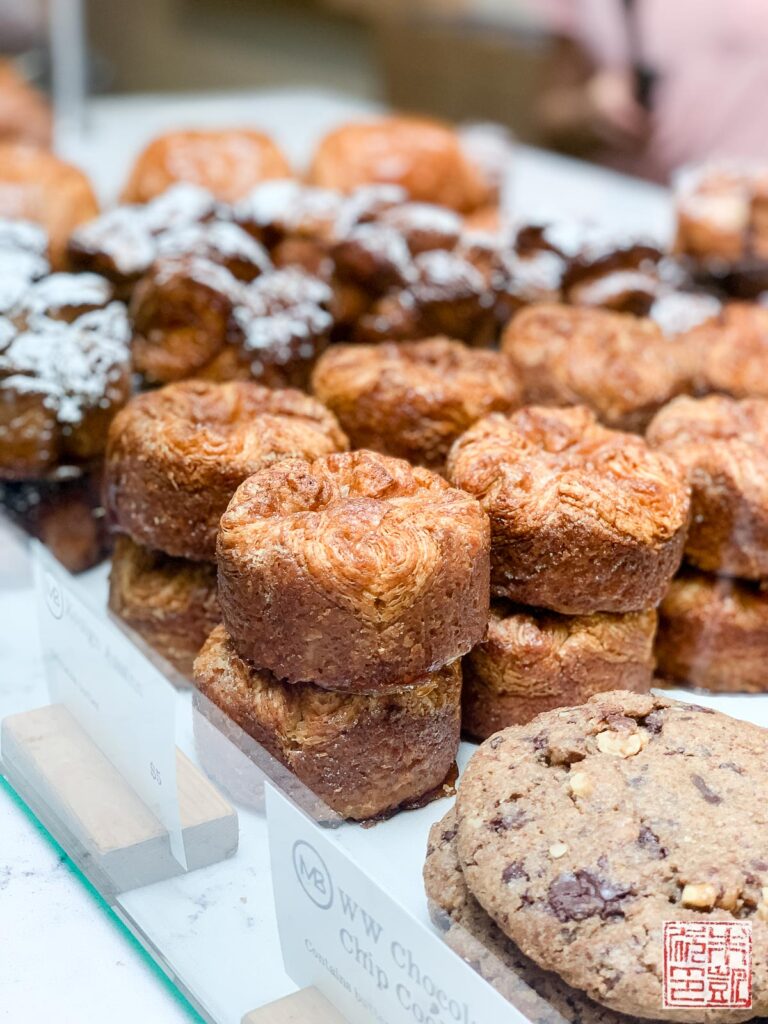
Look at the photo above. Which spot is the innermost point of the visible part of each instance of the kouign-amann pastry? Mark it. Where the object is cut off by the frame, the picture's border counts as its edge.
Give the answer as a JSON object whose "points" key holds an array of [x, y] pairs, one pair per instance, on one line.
{"points": [[583, 518], [64, 372], [123, 242], [357, 572], [170, 602], [582, 832], [444, 294], [722, 212], [176, 456], [621, 366], [731, 351], [424, 157], [533, 661], [541, 995], [713, 633], [413, 399], [35, 185], [366, 756], [228, 162], [722, 445], [194, 319]]}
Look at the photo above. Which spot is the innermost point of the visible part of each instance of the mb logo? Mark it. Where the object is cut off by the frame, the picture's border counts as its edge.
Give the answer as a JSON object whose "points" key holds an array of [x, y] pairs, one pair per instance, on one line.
{"points": [[313, 875]]}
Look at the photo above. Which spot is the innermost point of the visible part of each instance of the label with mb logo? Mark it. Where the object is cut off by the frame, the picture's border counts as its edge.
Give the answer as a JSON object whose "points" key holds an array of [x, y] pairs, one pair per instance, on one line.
{"points": [[313, 874]]}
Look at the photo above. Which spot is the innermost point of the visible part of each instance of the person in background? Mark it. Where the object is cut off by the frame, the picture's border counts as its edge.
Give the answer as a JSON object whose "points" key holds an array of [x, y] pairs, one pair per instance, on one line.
{"points": [[649, 85]]}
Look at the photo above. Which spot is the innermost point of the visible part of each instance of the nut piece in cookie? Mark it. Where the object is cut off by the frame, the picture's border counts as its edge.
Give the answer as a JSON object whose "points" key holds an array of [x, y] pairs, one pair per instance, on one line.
{"points": [[413, 399], [170, 602], [713, 633], [176, 456], [540, 995], [722, 446], [533, 661], [582, 832], [365, 755], [619, 365], [227, 162], [583, 518], [357, 572]]}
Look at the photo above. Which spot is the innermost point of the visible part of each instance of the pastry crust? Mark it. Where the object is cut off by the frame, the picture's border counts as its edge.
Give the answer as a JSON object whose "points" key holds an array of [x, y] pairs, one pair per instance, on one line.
{"points": [[227, 162], [170, 602], [36, 185], [619, 365], [422, 156], [64, 373], [364, 755], [583, 518], [194, 319], [533, 661], [176, 456], [413, 399], [357, 572], [722, 446], [713, 633]]}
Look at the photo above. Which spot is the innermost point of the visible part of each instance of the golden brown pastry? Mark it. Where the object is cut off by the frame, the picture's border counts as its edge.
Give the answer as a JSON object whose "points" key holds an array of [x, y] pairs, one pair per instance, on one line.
{"points": [[176, 456], [413, 399], [192, 318], [357, 572], [170, 602], [25, 113], [227, 162], [713, 633], [619, 365], [424, 157], [721, 212], [64, 373], [730, 351], [533, 661], [366, 756], [36, 185], [722, 446], [583, 519]]}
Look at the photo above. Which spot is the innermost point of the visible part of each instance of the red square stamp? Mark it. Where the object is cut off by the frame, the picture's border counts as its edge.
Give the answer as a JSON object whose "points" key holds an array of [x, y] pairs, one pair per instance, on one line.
{"points": [[707, 963]]}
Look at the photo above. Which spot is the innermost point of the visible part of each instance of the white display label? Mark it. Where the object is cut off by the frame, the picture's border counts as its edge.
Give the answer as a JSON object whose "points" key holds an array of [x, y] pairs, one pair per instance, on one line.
{"points": [[114, 692], [365, 952]]}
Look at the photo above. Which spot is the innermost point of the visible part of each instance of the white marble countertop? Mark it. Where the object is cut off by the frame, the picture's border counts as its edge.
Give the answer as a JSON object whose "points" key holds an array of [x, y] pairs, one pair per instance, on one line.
{"points": [[65, 954]]}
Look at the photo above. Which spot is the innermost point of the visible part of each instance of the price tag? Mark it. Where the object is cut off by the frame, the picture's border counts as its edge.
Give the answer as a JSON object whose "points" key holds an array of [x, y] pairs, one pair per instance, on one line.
{"points": [[118, 697], [343, 933]]}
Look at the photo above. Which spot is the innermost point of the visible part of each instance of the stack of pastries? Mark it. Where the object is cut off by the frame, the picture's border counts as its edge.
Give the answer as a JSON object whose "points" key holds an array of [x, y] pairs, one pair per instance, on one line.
{"points": [[350, 587]]}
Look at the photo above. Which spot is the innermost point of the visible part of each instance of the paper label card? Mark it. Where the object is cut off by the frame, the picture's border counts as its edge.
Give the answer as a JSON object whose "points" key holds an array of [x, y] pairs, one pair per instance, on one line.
{"points": [[119, 698], [341, 932]]}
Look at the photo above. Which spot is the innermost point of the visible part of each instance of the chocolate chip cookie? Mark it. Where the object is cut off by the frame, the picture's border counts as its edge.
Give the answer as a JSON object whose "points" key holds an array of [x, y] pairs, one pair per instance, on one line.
{"points": [[583, 831], [541, 995]]}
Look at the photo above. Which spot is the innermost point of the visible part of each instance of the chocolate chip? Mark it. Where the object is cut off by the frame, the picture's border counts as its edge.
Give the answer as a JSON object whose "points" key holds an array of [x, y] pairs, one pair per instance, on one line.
{"points": [[698, 707], [540, 741], [621, 723], [709, 794], [514, 870], [496, 742], [732, 767], [449, 835], [505, 822], [577, 896], [760, 865], [653, 722], [649, 841]]}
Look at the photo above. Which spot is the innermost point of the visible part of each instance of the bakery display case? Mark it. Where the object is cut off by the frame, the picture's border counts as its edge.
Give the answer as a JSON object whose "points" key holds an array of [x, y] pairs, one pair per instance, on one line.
{"points": [[325, 494]]}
